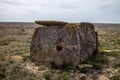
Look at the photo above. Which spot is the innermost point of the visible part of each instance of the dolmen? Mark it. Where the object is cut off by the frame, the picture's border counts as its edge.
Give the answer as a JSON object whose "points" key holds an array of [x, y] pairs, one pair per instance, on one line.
{"points": [[59, 43]]}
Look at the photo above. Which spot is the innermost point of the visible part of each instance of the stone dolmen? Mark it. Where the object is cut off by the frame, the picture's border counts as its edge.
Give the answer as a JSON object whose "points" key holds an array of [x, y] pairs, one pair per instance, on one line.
{"points": [[62, 43]]}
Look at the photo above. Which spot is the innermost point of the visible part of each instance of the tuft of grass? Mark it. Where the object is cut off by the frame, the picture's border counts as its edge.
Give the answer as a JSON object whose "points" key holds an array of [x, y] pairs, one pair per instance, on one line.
{"points": [[22, 33], [7, 40], [17, 72], [22, 30], [96, 66], [116, 77], [113, 54], [98, 61], [2, 71], [84, 70], [68, 67], [63, 76], [25, 57], [48, 75], [117, 65], [53, 65], [4, 43], [11, 39]]}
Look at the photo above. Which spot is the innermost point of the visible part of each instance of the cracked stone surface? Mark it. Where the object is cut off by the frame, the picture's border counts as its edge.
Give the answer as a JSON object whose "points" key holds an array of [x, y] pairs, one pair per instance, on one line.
{"points": [[68, 44]]}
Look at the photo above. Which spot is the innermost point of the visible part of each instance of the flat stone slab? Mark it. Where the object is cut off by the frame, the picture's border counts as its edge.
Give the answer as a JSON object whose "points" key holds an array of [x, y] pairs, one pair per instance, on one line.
{"points": [[51, 23]]}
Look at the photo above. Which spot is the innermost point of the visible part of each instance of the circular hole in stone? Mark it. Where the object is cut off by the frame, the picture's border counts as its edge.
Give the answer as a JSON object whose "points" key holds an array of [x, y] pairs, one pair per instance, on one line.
{"points": [[58, 48]]}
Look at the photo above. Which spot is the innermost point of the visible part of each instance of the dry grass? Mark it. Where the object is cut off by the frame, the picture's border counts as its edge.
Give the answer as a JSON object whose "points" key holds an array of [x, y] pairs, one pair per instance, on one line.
{"points": [[15, 63]]}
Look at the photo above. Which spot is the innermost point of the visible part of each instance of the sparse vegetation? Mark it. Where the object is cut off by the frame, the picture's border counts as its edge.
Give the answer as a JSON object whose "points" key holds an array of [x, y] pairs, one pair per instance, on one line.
{"points": [[47, 75], [3, 43], [116, 77], [14, 58], [63, 76], [2, 71], [25, 57], [84, 70]]}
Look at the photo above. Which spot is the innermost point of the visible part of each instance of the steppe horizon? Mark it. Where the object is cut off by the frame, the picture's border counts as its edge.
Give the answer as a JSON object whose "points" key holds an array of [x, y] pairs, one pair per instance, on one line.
{"points": [[60, 20]]}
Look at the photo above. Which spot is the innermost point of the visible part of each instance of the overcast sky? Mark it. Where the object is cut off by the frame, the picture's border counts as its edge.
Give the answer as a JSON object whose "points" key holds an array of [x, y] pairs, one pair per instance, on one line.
{"points": [[107, 11]]}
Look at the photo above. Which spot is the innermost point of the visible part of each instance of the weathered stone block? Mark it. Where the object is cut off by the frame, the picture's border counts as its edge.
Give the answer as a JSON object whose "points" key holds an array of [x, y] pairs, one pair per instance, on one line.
{"points": [[63, 44]]}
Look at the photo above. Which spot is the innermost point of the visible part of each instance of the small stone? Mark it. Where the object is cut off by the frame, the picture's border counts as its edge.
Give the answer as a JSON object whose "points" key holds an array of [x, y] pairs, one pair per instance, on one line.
{"points": [[16, 58], [84, 65]]}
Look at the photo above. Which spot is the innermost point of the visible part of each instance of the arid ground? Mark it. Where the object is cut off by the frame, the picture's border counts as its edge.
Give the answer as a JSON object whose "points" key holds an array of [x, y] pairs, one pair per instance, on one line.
{"points": [[15, 64]]}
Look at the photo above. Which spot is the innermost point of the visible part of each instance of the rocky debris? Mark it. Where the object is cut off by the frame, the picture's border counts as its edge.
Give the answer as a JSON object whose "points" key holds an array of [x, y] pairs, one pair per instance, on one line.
{"points": [[33, 69], [84, 66], [59, 44]]}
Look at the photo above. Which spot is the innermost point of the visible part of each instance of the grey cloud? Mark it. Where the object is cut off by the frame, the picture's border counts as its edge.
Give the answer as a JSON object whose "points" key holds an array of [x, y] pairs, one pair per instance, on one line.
{"points": [[12, 2], [68, 6], [66, 10], [113, 6]]}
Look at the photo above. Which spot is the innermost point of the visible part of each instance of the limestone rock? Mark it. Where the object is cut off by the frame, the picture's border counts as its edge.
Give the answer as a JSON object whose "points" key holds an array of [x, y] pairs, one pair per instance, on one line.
{"points": [[51, 23], [68, 44]]}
